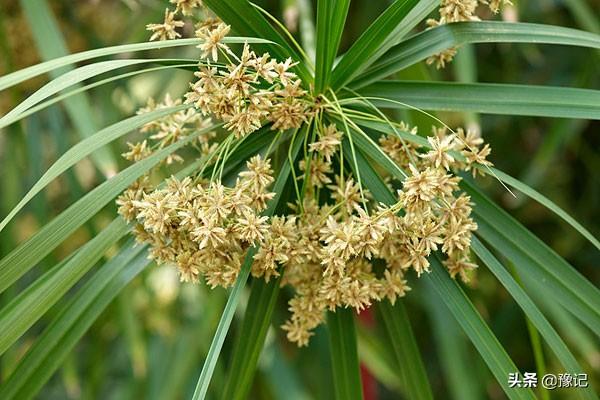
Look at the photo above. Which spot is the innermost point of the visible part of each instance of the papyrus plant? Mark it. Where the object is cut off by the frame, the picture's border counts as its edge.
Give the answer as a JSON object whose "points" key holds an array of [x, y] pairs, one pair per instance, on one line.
{"points": [[295, 170]]}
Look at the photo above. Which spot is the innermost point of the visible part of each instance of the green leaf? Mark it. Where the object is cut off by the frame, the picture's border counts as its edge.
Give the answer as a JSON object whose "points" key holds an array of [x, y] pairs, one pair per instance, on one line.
{"points": [[344, 356], [251, 338], [543, 101], [51, 44], [24, 74], [69, 79], [532, 193], [226, 318], [536, 317], [234, 296], [59, 339], [432, 41], [170, 375], [85, 148], [245, 19], [24, 310], [534, 260], [463, 376], [476, 329], [69, 94], [65, 320], [375, 355], [571, 329], [307, 27], [28, 254], [400, 335], [331, 17], [283, 378], [415, 17], [584, 15], [370, 45]]}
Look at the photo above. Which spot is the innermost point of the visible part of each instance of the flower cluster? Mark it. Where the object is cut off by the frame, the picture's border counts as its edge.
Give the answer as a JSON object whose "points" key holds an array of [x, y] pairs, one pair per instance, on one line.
{"points": [[346, 251], [333, 244], [249, 92], [167, 30], [458, 11], [170, 129], [206, 228]]}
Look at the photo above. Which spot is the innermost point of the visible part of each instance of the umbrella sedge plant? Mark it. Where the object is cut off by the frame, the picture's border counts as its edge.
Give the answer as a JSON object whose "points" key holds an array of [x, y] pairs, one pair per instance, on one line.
{"points": [[295, 173]]}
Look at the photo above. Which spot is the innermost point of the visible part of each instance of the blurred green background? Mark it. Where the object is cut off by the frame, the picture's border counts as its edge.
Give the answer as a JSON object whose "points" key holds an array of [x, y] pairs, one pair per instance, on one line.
{"points": [[150, 343]]}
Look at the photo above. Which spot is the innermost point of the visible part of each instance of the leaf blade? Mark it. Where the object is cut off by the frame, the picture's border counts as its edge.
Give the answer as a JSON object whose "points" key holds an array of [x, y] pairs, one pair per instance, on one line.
{"points": [[83, 149], [51, 44], [65, 320], [432, 41], [344, 356], [543, 101], [25, 256], [370, 45], [331, 16], [59, 351], [24, 310], [14, 78], [540, 322], [404, 344]]}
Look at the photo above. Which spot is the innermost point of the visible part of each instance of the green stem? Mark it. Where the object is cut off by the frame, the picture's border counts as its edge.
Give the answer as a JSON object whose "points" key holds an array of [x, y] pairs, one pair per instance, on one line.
{"points": [[536, 343], [344, 355]]}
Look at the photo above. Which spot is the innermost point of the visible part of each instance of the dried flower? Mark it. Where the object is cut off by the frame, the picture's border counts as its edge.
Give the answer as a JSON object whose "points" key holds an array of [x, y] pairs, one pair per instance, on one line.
{"points": [[212, 38], [186, 6], [166, 30]]}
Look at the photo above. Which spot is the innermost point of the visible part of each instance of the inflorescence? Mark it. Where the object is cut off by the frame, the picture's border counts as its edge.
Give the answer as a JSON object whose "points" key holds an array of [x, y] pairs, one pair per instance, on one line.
{"points": [[333, 245]]}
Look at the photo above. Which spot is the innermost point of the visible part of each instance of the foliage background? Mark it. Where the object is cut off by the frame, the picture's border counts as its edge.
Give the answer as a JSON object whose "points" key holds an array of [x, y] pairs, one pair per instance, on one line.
{"points": [[151, 341]]}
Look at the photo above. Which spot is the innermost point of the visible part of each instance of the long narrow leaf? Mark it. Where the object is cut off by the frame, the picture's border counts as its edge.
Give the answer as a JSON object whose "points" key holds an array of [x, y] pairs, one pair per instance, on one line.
{"points": [[331, 16], [22, 75], [487, 98], [404, 344], [64, 321], [250, 341], [68, 94], [55, 354], [535, 260], [86, 147], [28, 254], [369, 45], [464, 378], [476, 329], [344, 354], [533, 313], [432, 41], [69, 79], [24, 310], [251, 337], [535, 195], [51, 44]]}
